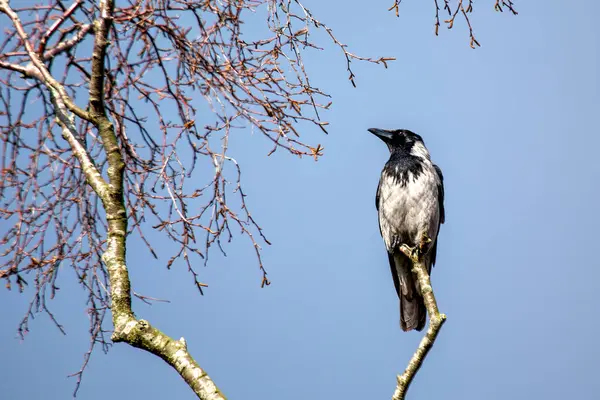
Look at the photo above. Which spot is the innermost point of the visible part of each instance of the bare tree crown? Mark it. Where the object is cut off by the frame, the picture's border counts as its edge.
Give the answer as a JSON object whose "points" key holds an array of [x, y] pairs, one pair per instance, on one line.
{"points": [[161, 58]]}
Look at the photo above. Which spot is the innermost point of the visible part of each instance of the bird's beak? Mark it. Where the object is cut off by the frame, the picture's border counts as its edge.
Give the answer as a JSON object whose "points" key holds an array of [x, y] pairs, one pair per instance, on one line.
{"points": [[381, 134]]}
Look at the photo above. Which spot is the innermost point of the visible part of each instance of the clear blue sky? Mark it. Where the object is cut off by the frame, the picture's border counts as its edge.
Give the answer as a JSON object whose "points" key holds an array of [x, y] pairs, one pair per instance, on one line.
{"points": [[514, 126]]}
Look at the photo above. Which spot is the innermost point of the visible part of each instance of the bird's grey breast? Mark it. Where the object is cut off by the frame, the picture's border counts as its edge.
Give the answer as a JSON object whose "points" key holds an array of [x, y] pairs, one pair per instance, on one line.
{"points": [[408, 204]]}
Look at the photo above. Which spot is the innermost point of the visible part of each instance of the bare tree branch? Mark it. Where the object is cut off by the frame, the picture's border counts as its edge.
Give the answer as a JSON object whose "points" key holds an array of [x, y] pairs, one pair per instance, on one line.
{"points": [[436, 320], [68, 44]]}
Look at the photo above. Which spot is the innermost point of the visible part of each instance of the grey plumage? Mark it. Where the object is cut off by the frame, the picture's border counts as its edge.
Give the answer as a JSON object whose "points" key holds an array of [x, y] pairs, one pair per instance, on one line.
{"points": [[410, 202]]}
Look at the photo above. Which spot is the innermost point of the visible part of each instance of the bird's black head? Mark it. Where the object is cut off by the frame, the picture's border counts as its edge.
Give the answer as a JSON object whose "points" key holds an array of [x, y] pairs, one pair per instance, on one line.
{"points": [[399, 139]]}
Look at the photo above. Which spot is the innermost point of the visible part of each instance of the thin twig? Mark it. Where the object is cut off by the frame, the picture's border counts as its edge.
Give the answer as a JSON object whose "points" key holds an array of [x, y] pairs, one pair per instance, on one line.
{"points": [[148, 300], [454, 10]]}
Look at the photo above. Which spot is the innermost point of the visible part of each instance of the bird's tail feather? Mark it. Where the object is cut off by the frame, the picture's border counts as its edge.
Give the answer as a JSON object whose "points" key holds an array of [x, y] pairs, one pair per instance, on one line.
{"points": [[412, 308]]}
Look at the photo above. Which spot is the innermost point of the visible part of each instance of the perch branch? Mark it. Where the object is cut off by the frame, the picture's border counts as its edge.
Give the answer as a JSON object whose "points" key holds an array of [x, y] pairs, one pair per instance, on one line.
{"points": [[436, 320]]}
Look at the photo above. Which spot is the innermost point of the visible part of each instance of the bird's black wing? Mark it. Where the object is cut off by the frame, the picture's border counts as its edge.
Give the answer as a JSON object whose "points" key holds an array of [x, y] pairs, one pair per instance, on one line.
{"points": [[442, 212], [440, 194], [395, 274], [377, 198]]}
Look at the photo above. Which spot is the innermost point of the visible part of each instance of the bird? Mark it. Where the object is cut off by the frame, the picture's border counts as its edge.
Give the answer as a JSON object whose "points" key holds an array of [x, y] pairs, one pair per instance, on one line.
{"points": [[410, 204]]}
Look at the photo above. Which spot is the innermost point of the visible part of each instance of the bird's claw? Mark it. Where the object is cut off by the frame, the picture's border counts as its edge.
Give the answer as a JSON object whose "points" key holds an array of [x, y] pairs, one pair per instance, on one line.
{"points": [[410, 252], [416, 253]]}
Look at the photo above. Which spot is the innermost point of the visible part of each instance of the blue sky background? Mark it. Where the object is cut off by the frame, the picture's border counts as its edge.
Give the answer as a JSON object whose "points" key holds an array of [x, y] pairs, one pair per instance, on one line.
{"points": [[514, 126]]}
